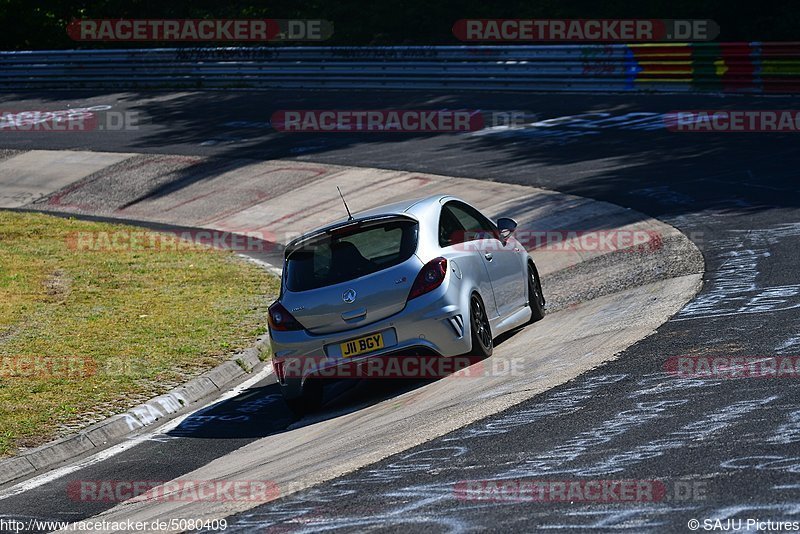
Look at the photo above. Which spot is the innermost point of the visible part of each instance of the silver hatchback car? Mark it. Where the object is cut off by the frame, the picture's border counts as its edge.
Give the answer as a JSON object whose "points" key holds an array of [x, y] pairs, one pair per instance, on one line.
{"points": [[431, 277]]}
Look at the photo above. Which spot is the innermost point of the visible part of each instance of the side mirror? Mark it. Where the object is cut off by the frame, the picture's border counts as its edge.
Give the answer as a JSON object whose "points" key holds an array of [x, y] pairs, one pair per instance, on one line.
{"points": [[506, 226]]}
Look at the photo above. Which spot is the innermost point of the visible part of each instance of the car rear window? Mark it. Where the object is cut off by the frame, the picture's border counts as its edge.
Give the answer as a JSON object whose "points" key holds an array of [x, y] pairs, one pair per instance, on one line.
{"points": [[348, 254]]}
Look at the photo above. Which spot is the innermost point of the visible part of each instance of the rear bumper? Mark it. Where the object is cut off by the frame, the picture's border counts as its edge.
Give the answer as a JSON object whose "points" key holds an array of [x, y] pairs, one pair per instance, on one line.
{"points": [[434, 324]]}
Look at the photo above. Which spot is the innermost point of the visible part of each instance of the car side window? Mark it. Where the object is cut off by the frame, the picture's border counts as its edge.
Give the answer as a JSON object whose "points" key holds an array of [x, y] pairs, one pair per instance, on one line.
{"points": [[450, 230], [459, 223]]}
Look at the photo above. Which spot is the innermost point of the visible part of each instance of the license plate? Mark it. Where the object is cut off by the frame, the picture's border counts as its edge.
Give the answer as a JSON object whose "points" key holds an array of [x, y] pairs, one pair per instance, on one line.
{"points": [[360, 345]]}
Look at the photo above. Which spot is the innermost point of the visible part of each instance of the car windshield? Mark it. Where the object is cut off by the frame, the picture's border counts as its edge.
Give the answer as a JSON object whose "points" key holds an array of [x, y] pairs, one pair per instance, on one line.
{"points": [[343, 255]]}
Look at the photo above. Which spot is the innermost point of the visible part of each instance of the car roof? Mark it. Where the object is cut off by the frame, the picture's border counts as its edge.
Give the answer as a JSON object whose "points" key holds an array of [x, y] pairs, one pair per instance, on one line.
{"points": [[397, 208], [403, 207]]}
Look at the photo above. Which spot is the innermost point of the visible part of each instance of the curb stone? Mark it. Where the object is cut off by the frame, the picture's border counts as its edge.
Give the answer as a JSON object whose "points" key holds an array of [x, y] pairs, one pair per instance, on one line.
{"points": [[118, 426], [16, 467], [58, 451]]}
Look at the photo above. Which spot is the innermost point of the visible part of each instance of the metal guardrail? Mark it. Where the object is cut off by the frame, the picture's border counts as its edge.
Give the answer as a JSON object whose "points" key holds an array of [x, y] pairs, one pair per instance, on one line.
{"points": [[716, 67]]}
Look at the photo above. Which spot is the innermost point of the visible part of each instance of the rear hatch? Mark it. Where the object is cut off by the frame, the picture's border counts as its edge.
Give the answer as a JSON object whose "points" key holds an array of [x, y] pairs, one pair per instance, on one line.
{"points": [[351, 275]]}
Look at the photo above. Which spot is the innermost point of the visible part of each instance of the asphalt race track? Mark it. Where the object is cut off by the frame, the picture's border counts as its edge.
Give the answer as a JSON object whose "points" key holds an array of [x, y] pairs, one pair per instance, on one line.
{"points": [[600, 302], [723, 448]]}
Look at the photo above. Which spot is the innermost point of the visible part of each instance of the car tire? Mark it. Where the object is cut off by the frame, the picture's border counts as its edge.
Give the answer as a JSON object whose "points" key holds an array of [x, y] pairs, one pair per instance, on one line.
{"points": [[309, 401], [535, 295], [482, 342]]}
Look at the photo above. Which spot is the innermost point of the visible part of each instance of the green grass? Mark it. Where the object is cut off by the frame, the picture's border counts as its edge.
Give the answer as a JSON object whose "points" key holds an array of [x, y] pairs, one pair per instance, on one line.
{"points": [[127, 325]]}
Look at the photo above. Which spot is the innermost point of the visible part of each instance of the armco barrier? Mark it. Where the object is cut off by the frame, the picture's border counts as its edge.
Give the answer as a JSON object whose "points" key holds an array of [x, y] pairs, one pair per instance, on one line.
{"points": [[713, 67]]}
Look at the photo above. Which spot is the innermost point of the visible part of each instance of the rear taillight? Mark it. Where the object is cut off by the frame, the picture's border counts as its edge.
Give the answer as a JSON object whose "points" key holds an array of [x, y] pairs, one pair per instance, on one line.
{"points": [[429, 278], [281, 319]]}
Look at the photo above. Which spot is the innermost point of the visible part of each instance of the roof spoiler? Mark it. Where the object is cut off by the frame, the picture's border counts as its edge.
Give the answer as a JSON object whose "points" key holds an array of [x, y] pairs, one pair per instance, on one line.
{"points": [[343, 228]]}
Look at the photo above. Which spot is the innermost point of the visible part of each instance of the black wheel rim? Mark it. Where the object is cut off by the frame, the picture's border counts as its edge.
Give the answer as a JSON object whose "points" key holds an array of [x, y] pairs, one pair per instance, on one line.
{"points": [[480, 323], [533, 288]]}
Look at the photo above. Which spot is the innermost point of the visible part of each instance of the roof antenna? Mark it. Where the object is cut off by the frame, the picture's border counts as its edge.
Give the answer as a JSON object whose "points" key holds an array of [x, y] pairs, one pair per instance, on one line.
{"points": [[349, 215]]}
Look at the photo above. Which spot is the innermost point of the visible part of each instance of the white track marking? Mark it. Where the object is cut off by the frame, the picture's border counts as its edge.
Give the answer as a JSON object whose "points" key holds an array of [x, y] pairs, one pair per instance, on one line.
{"points": [[103, 455]]}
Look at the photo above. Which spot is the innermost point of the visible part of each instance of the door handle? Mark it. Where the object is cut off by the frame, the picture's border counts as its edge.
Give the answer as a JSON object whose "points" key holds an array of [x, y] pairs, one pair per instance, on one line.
{"points": [[488, 256]]}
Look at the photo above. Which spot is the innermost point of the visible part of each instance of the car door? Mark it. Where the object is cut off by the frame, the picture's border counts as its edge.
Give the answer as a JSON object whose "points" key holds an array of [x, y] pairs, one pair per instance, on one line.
{"points": [[500, 260]]}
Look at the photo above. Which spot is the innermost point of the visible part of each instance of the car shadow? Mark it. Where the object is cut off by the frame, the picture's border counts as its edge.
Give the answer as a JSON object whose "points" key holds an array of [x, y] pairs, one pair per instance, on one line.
{"points": [[260, 411]]}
